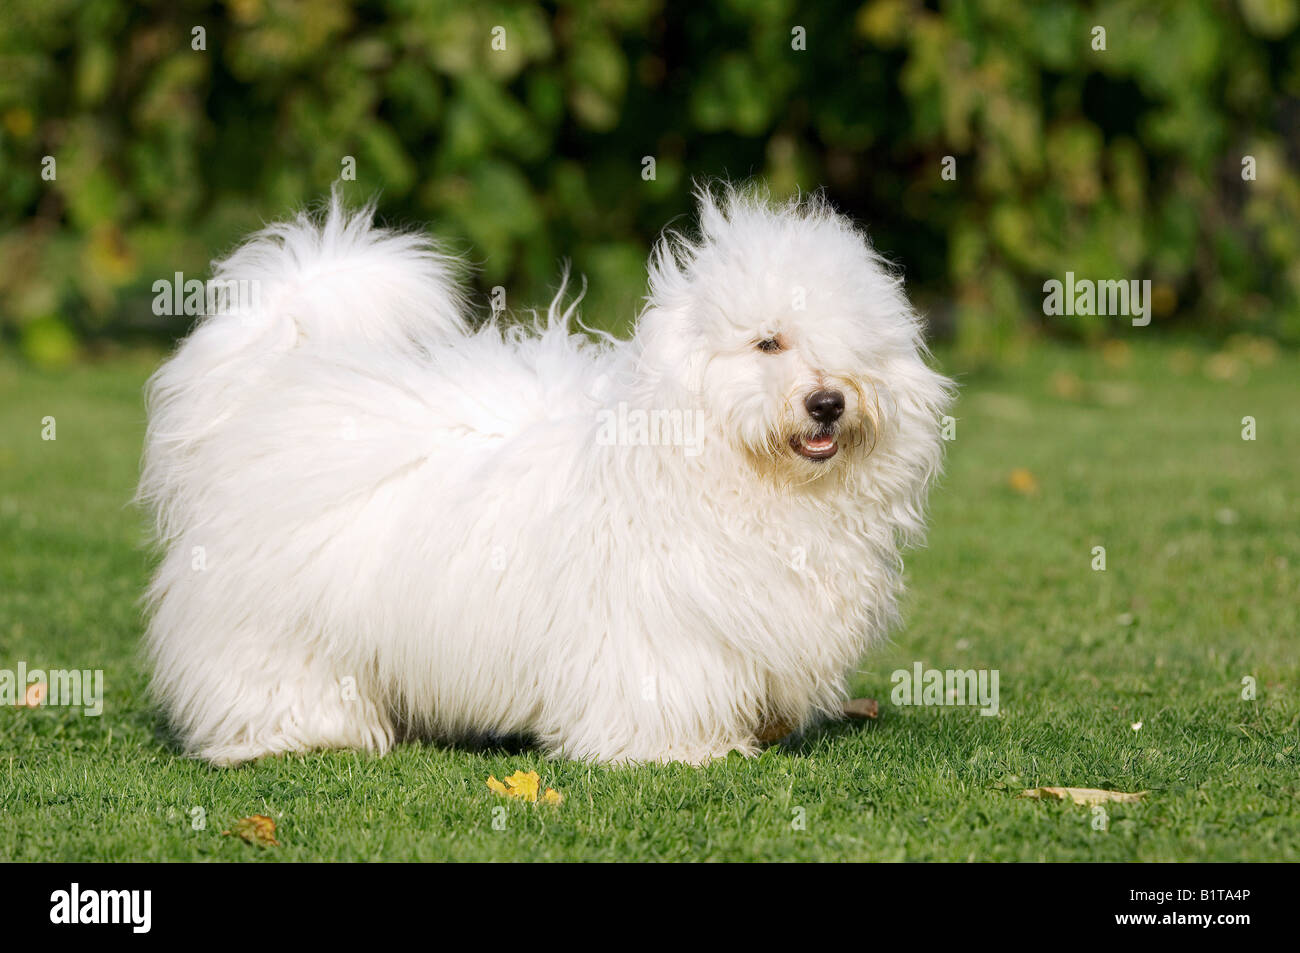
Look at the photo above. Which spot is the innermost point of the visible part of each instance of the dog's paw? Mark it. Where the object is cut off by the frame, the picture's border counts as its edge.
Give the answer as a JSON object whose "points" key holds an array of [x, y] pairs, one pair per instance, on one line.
{"points": [[698, 757], [233, 755], [773, 730]]}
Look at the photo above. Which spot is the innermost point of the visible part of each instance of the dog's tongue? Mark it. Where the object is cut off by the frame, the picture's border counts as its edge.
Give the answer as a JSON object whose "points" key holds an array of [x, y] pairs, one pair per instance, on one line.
{"points": [[820, 447]]}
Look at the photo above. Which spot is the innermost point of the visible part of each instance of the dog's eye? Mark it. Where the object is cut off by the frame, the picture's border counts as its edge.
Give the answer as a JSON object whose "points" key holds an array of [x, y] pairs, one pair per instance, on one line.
{"points": [[769, 345]]}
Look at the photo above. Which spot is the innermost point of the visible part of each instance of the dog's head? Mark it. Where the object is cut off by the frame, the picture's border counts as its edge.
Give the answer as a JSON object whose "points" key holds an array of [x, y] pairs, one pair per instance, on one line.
{"points": [[795, 338]]}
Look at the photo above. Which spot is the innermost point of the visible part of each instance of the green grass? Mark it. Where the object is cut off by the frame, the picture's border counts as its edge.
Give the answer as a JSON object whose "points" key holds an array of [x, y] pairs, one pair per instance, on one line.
{"points": [[1202, 540]]}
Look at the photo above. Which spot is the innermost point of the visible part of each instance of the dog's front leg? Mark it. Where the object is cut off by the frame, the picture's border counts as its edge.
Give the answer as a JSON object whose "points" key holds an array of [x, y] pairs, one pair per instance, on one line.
{"points": [[643, 744]]}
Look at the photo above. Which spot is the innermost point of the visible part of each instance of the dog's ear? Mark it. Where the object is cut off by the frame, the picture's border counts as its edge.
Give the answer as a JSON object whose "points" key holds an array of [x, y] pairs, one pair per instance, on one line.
{"points": [[670, 356], [910, 453], [670, 347]]}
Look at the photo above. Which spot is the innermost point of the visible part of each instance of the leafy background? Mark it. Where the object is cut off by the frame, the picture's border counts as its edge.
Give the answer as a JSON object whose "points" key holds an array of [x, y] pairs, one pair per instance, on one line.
{"points": [[1118, 163]]}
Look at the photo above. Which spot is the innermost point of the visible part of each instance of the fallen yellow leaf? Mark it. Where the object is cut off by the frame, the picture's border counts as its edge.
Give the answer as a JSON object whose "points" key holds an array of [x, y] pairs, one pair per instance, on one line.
{"points": [[258, 830], [1022, 481], [1087, 796], [1224, 367], [35, 696], [552, 796], [522, 784], [1116, 353], [1067, 386]]}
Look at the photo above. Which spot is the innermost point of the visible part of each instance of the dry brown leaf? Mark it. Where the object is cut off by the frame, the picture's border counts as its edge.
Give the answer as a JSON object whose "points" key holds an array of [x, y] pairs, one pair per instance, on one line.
{"points": [[1087, 796], [258, 830], [862, 708]]}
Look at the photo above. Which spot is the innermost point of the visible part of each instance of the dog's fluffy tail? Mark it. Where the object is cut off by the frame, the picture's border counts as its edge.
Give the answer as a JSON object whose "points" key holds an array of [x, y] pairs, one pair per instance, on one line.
{"points": [[329, 284]]}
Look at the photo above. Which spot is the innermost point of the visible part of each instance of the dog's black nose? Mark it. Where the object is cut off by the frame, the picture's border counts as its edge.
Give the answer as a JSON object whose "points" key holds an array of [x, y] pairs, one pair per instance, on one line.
{"points": [[824, 406]]}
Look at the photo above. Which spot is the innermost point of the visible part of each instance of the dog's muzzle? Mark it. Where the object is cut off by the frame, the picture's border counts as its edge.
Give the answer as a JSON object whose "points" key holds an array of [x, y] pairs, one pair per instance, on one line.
{"points": [[825, 406]]}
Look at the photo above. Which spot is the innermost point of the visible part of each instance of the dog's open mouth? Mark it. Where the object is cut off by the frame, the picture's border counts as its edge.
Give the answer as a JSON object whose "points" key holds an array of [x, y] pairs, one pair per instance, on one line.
{"points": [[821, 446]]}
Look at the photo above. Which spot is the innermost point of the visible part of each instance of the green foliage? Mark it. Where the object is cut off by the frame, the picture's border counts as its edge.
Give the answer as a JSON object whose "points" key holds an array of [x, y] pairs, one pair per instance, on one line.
{"points": [[519, 130]]}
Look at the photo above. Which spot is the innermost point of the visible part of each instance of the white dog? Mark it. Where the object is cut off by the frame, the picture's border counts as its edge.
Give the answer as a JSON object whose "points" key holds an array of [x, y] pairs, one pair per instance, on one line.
{"points": [[379, 521]]}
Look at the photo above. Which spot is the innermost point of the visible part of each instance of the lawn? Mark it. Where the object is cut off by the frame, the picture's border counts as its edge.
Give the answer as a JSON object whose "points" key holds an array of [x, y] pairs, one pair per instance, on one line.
{"points": [[1136, 449]]}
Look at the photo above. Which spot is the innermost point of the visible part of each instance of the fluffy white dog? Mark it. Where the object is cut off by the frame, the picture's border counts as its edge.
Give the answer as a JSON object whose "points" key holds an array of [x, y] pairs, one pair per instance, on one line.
{"points": [[379, 521]]}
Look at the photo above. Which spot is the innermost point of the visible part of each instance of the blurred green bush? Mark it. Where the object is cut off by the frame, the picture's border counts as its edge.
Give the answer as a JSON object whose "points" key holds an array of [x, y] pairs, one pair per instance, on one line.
{"points": [[1125, 162]]}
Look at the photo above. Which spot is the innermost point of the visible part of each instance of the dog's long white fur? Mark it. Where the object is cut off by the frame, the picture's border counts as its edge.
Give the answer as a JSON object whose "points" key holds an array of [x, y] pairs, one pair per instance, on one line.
{"points": [[375, 520]]}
